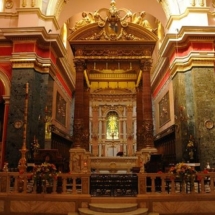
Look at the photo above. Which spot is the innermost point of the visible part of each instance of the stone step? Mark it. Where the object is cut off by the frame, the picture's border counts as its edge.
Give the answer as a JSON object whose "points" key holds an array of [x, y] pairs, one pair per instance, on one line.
{"points": [[153, 213], [113, 208], [87, 211]]}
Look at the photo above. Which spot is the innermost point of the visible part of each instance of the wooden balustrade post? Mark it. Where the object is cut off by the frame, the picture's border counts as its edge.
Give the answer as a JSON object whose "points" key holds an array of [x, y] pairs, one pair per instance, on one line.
{"points": [[153, 184], [202, 186], [8, 182], [163, 186], [74, 185], [212, 185], [54, 186], [172, 186], [34, 188], [25, 184], [141, 184], [85, 184], [64, 184]]}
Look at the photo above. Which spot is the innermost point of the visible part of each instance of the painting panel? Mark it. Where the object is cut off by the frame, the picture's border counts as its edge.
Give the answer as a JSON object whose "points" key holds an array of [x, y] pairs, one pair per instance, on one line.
{"points": [[164, 110], [60, 109]]}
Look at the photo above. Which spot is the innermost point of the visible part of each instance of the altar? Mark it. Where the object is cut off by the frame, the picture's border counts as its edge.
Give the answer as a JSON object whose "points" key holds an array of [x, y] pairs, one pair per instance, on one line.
{"points": [[113, 164]]}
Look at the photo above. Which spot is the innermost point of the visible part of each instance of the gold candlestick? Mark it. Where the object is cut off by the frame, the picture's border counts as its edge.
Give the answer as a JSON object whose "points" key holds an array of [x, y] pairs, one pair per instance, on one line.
{"points": [[22, 162]]}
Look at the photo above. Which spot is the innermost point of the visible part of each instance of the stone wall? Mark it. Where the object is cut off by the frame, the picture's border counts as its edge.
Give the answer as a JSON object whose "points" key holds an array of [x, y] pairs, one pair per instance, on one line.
{"points": [[204, 83], [194, 105], [37, 101]]}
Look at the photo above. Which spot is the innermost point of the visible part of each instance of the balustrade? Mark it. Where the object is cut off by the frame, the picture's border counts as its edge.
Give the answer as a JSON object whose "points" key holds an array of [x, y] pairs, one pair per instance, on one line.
{"points": [[146, 183]]}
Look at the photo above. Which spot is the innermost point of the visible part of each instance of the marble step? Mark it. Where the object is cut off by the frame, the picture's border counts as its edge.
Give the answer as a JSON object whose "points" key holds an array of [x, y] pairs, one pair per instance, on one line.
{"points": [[75, 213], [87, 211], [113, 208]]}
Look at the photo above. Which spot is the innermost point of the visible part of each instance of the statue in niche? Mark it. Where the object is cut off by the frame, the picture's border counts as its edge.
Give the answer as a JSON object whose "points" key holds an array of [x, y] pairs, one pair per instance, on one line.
{"points": [[112, 126], [191, 151]]}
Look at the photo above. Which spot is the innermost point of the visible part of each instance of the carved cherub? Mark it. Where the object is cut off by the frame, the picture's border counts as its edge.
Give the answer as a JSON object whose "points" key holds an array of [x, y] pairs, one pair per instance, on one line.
{"points": [[141, 20]]}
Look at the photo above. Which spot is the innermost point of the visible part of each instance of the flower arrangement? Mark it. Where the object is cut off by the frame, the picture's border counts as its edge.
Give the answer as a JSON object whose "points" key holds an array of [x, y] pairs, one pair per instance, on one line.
{"points": [[45, 173], [183, 172]]}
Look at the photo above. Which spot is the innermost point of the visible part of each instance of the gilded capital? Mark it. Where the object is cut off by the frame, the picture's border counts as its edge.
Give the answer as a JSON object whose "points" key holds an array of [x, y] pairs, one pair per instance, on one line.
{"points": [[80, 65], [146, 64]]}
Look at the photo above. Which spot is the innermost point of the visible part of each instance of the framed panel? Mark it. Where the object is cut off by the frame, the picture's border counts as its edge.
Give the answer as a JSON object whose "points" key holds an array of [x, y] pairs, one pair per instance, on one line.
{"points": [[164, 110], [60, 109]]}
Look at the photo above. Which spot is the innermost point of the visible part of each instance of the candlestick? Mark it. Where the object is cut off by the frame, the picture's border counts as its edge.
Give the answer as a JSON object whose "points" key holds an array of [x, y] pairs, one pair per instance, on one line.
{"points": [[27, 88]]}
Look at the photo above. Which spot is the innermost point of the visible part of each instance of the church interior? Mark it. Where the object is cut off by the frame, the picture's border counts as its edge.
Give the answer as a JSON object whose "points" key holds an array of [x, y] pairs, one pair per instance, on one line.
{"points": [[107, 104]]}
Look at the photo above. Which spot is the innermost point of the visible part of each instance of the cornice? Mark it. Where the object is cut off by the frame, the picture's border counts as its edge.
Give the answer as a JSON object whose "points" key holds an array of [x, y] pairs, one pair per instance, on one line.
{"points": [[186, 13], [36, 33], [193, 60], [31, 61], [191, 33], [40, 14], [122, 58], [112, 95], [8, 15]]}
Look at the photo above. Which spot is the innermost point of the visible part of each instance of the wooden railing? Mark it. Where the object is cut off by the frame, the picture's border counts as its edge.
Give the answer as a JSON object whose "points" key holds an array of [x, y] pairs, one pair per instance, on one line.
{"points": [[150, 183], [13, 182], [78, 184]]}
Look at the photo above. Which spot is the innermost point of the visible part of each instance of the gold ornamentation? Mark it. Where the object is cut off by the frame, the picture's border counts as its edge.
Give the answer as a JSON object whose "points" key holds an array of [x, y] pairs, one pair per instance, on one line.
{"points": [[18, 124], [209, 124], [86, 20], [24, 3], [201, 2], [80, 65], [146, 65], [113, 24], [213, 3], [8, 4], [148, 132], [192, 2], [60, 109], [142, 21], [32, 3]]}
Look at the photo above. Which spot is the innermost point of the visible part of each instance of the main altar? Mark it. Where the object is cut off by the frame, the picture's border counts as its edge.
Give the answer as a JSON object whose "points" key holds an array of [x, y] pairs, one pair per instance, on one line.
{"points": [[113, 102]]}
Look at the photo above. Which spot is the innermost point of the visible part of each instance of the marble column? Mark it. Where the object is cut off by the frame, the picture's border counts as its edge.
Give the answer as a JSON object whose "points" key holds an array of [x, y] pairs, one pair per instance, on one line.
{"points": [[79, 104], [147, 104]]}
